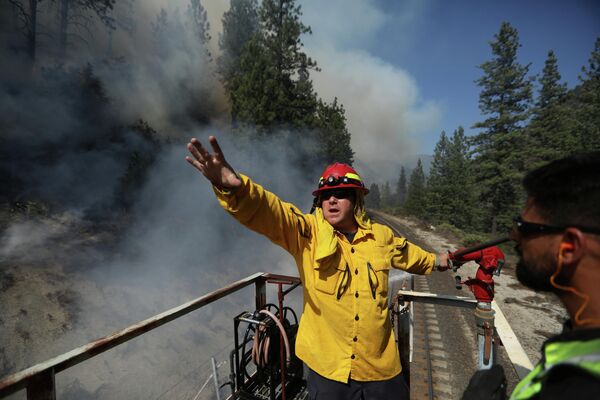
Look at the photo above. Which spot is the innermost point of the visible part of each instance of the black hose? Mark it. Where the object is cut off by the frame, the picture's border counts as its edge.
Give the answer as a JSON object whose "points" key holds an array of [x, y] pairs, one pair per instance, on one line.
{"points": [[480, 246]]}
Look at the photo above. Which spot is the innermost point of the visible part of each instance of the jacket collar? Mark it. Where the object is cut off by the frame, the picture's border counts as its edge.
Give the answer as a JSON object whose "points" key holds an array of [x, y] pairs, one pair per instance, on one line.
{"points": [[327, 241]]}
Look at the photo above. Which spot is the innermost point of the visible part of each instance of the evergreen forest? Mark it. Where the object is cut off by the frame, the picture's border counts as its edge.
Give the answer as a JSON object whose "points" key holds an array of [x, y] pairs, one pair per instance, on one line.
{"points": [[60, 58], [474, 182]]}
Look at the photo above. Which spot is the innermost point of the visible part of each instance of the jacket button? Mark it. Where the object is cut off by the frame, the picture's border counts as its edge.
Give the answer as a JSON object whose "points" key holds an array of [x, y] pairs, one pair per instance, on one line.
{"points": [[355, 338], [352, 250], [353, 356], [356, 271], [356, 294], [356, 318]]}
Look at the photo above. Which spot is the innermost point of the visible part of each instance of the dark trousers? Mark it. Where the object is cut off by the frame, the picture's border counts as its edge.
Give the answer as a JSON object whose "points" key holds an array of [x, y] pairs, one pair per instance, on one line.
{"points": [[320, 388]]}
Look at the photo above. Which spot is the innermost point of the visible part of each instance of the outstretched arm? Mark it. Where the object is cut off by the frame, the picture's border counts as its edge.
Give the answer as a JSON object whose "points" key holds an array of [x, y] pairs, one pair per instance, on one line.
{"points": [[249, 203], [411, 258], [213, 166]]}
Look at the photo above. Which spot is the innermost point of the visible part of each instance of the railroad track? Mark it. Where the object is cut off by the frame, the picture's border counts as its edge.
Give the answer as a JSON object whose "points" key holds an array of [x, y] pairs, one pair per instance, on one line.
{"points": [[444, 352], [429, 371], [432, 374]]}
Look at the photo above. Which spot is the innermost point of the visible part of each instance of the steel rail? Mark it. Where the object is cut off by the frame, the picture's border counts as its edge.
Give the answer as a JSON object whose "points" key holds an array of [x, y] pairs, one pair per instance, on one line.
{"points": [[39, 380], [439, 299], [428, 359]]}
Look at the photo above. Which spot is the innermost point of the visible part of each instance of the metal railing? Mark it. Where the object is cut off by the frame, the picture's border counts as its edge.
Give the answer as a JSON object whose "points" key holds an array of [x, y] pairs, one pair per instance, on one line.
{"points": [[39, 380], [515, 352]]}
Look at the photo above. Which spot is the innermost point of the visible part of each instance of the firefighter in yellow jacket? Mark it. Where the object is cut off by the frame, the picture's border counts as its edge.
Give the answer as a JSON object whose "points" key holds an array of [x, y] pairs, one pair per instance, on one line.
{"points": [[345, 336]]}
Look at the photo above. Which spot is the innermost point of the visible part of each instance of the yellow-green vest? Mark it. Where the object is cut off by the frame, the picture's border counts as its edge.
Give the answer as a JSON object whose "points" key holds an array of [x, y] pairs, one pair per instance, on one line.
{"points": [[584, 354]]}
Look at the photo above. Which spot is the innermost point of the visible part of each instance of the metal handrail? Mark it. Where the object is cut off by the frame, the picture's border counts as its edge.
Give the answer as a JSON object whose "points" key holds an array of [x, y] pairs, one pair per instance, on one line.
{"points": [[516, 354], [39, 379]]}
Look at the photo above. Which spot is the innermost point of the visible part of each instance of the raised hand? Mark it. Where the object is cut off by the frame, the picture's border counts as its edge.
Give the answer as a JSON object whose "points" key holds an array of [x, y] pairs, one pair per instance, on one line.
{"points": [[213, 166]]}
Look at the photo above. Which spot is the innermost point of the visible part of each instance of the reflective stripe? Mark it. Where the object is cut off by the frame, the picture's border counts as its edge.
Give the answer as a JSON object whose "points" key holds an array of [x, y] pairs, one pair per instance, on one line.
{"points": [[348, 175], [585, 355], [590, 358], [561, 351], [353, 176], [527, 387]]}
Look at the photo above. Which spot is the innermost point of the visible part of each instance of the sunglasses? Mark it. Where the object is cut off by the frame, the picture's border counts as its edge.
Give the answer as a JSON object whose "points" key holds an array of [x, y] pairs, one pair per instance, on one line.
{"points": [[527, 228], [340, 193], [333, 181]]}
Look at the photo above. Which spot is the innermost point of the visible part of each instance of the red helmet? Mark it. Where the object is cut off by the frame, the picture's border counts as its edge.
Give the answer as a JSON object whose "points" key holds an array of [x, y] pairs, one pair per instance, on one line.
{"points": [[340, 175]]}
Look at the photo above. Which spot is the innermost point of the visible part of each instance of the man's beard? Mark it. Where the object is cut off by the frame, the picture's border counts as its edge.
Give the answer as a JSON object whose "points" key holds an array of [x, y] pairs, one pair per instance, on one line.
{"points": [[537, 277]]}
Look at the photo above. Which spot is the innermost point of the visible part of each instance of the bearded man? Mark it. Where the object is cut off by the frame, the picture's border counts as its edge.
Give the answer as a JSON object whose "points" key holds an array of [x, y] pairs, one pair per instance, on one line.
{"points": [[557, 239]]}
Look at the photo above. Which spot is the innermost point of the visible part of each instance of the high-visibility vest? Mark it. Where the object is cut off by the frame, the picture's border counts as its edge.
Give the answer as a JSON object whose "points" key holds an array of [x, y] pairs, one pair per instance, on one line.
{"points": [[584, 354]]}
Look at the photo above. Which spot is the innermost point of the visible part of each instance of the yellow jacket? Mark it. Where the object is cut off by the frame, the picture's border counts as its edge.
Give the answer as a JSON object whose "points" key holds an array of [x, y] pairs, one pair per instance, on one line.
{"points": [[345, 329]]}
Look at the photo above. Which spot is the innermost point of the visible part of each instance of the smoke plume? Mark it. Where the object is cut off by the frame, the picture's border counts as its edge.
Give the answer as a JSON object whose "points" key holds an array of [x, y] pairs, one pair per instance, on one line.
{"points": [[105, 224]]}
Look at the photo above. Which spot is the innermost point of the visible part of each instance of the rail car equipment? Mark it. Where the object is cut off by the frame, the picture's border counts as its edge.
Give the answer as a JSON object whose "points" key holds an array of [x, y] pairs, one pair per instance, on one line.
{"points": [[490, 260], [264, 365]]}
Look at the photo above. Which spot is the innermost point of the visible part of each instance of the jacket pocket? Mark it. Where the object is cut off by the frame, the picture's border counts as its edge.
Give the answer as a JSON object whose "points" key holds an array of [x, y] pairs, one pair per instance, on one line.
{"points": [[379, 278], [328, 274]]}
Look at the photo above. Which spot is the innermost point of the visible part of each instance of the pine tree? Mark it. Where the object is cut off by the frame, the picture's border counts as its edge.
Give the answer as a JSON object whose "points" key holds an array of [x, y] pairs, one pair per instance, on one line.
{"points": [[547, 131], [27, 17], [587, 111], [401, 188], [272, 89], [240, 24], [334, 138], [449, 187], [505, 99], [438, 204], [125, 18], [592, 71], [461, 193], [160, 33], [416, 196], [552, 91], [72, 12], [386, 195], [197, 21], [373, 200]]}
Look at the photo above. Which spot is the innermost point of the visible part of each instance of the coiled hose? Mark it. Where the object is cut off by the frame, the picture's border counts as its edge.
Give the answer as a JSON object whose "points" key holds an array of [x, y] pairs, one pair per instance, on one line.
{"points": [[261, 342]]}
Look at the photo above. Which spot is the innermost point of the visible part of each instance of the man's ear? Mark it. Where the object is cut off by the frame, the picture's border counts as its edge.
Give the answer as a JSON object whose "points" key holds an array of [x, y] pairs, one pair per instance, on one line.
{"points": [[572, 246]]}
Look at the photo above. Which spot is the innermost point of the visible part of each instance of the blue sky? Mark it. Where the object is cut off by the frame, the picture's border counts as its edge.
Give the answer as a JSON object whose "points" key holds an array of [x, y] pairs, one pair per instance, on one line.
{"points": [[422, 56], [452, 37]]}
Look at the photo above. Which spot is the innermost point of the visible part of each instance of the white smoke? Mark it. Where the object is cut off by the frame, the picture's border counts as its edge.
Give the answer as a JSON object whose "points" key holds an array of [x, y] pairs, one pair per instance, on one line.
{"points": [[384, 108], [63, 284], [23, 237], [180, 244]]}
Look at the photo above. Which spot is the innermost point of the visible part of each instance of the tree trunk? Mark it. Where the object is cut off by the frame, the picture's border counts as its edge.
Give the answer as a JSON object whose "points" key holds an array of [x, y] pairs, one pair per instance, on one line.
{"points": [[32, 31], [62, 34]]}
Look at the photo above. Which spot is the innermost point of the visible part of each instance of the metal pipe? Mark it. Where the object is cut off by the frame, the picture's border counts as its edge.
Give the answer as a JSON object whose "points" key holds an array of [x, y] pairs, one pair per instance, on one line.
{"points": [[481, 246], [432, 298], [282, 364], [215, 377]]}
